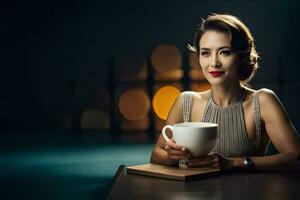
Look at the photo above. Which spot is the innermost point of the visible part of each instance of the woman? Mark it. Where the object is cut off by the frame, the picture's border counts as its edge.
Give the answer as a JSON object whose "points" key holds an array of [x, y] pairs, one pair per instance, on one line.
{"points": [[247, 119]]}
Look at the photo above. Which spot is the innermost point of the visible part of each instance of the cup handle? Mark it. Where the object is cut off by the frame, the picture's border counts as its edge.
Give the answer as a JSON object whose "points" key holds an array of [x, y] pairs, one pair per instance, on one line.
{"points": [[164, 132]]}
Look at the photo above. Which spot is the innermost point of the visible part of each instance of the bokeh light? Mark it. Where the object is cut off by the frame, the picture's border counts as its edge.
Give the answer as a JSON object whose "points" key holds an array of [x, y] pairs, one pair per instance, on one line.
{"points": [[134, 104], [200, 87], [174, 75], [163, 100], [166, 57]]}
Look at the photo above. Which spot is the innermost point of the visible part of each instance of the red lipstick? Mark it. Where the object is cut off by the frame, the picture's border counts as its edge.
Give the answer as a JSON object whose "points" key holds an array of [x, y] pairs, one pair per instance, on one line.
{"points": [[216, 73]]}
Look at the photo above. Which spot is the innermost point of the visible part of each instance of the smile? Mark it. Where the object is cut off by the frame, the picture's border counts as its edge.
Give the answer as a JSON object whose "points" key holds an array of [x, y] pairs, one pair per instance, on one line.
{"points": [[216, 73]]}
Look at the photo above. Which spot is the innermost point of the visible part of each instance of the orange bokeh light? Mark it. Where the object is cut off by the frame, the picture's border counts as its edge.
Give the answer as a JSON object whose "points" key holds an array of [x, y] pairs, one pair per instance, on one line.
{"points": [[163, 100], [134, 104], [166, 57], [200, 87]]}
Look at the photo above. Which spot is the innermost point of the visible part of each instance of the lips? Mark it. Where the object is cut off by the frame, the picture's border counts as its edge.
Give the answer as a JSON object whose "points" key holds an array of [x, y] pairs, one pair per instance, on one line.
{"points": [[216, 73]]}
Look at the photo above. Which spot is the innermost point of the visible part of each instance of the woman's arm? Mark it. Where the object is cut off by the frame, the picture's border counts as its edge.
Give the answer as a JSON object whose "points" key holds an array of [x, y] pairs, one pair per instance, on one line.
{"points": [[280, 131], [169, 153]]}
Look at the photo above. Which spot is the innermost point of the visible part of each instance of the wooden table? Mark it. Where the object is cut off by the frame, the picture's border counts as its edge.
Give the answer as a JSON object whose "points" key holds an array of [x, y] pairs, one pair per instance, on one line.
{"points": [[226, 186]]}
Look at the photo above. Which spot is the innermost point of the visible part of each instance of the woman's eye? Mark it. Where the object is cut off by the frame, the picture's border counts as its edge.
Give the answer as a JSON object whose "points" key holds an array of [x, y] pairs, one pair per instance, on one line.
{"points": [[226, 52], [204, 53]]}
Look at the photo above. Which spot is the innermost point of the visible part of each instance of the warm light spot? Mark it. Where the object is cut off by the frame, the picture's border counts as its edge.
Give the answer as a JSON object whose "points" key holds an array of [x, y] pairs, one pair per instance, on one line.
{"points": [[174, 75], [200, 87], [93, 119], [166, 57], [163, 100], [196, 74], [134, 104]]}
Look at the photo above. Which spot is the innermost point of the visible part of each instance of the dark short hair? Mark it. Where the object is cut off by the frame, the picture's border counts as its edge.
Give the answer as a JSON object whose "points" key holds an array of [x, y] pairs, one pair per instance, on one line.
{"points": [[242, 41]]}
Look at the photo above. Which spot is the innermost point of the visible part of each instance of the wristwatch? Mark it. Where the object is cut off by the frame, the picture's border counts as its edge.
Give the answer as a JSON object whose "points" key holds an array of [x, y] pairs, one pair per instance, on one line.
{"points": [[248, 164]]}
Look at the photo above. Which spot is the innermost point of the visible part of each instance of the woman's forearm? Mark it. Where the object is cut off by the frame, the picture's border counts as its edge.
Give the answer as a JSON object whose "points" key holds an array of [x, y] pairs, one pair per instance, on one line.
{"points": [[278, 162], [160, 156]]}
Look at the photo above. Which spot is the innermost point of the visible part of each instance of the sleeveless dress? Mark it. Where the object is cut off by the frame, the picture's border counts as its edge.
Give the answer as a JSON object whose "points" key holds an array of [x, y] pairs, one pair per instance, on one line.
{"points": [[232, 140]]}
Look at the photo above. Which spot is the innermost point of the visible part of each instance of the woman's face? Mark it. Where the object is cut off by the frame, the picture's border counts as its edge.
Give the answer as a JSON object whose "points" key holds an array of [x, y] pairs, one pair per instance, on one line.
{"points": [[218, 60]]}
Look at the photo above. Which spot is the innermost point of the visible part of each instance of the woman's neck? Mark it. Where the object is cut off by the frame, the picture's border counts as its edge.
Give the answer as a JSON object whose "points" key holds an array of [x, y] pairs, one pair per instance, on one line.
{"points": [[226, 95]]}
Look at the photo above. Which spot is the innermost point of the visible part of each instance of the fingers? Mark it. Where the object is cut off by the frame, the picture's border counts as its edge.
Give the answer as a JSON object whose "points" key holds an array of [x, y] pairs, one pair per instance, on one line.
{"points": [[173, 147], [177, 157], [176, 152], [173, 151], [173, 144]]}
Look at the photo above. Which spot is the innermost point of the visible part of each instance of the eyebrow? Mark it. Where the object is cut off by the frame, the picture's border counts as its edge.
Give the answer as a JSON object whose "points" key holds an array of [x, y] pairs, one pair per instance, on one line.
{"points": [[224, 47]]}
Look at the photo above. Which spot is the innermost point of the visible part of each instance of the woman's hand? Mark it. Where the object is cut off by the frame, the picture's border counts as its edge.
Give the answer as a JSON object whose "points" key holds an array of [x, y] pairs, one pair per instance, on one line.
{"points": [[175, 152], [214, 160]]}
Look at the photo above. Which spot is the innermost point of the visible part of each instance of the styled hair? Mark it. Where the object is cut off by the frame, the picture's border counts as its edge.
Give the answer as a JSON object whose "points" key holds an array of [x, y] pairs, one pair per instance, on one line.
{"points": [[242, 41]]}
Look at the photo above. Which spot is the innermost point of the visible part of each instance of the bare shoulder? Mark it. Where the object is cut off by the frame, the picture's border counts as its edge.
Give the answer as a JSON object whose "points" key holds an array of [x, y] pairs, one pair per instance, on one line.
{"points": [[196, 96], [267, 96], [201, 97], [269, 104], [264, 95]]}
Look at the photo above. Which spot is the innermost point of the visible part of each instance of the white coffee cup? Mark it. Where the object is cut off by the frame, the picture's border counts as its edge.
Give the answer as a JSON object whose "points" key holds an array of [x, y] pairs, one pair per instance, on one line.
{"points": [[198, 137]]}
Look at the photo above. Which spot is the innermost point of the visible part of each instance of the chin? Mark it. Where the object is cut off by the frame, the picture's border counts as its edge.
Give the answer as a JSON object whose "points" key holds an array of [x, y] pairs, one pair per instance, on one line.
{"points": [[216, 82]]}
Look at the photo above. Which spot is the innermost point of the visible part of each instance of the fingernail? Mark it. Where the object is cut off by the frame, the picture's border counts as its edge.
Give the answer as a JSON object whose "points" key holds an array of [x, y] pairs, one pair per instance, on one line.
{"points": [[183, 149]]}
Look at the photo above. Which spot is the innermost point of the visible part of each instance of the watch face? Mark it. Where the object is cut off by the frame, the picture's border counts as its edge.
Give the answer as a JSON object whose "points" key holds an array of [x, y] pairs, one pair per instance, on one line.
{"points": [[248, 163]]}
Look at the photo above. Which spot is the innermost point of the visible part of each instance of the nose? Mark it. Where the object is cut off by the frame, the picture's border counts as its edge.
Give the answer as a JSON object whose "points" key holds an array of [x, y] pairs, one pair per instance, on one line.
{"points": [[215, 62]]}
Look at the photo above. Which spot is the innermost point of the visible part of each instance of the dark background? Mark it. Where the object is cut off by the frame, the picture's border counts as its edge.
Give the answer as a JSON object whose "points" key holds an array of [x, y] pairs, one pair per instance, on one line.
{"points": [[46, 45]]}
